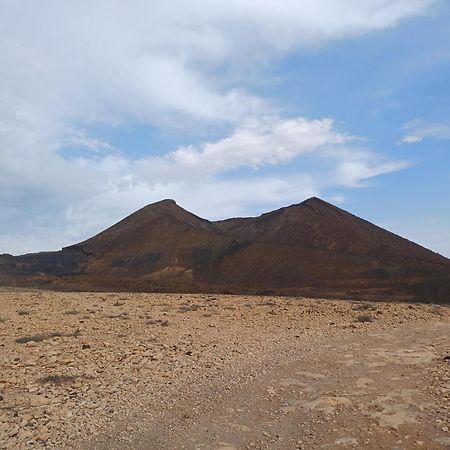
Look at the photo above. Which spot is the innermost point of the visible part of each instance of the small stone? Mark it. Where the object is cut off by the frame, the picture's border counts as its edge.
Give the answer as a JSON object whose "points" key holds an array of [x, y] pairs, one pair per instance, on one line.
{"points": [[66, 413], [43, 437], [271, 391], [24, 435], [14, 430], [39, 401]]}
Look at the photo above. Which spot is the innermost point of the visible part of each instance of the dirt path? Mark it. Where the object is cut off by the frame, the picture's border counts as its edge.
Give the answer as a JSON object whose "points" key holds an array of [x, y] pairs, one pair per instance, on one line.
{"points": [[381, 390]]}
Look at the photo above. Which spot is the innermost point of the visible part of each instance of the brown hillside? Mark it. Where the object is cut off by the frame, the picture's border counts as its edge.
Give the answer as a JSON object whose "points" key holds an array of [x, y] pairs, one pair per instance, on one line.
{"points": [[311, 248]]}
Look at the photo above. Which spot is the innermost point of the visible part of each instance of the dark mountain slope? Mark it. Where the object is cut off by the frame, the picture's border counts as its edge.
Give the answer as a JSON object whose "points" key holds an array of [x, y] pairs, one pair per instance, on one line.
{"points": [[316, 224], [317, 245], [146, 227]]}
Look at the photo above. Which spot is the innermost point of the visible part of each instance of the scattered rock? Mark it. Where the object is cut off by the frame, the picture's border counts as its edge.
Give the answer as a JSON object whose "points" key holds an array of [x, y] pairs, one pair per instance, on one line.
{"points": [[43, 437], [39, 401], [13, 431]]}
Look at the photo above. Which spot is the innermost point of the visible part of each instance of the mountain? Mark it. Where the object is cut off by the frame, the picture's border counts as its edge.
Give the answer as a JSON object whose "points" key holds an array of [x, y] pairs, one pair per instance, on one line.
{"points": [[312, 248]]}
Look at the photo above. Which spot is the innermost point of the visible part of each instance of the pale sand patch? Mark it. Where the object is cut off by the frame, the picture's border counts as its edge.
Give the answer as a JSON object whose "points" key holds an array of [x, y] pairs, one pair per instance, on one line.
{"points": [[392, 411], [314, 376], [346, 441], [325, 404], [363, 382], [286, 382]]}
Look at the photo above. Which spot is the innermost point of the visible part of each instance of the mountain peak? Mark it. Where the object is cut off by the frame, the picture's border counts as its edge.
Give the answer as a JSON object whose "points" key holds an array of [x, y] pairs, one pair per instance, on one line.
{"points": [[165, 202], [166, 206], [314, 205], [315, 201], [168, 201], [312, 200]]}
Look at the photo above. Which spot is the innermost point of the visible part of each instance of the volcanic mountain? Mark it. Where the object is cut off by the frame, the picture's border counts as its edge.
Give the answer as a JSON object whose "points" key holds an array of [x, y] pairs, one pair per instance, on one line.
{"points": [[312, 248]]}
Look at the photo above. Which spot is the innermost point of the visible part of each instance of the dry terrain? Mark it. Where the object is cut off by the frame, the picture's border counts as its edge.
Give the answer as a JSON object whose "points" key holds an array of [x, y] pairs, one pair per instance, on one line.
{"points": [[150, 371]]}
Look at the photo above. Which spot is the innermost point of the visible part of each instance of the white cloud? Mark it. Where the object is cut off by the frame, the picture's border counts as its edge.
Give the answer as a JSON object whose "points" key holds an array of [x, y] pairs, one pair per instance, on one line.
{"points": [[260, 142], [113, 60], [64, 201], [67, 66], [358, 166], [79, 138], [418, 130]]}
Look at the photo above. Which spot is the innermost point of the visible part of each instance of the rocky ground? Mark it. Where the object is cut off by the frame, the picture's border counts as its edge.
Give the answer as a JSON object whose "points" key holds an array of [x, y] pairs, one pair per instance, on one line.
{"points": [[121, 371]]}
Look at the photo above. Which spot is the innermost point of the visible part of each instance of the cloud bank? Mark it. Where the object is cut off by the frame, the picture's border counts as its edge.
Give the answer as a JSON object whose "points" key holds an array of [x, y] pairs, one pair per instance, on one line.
{"points": [[68, 66]]}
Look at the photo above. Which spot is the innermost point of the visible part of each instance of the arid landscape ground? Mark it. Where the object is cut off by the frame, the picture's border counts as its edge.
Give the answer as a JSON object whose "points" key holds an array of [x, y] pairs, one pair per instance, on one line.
{"points": [[198, 371]]}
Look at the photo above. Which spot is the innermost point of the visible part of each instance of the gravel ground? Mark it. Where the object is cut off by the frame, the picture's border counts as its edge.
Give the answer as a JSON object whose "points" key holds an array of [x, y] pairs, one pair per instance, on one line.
{"points": [[108, 370]]}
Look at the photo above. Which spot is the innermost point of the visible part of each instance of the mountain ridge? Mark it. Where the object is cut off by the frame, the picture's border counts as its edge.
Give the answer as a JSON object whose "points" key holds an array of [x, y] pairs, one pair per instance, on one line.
{"points": [[312, 248]]}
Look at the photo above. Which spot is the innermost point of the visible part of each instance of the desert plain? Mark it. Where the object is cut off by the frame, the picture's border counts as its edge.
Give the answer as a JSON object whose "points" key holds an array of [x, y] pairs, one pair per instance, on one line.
{"points": [[174, 371]]}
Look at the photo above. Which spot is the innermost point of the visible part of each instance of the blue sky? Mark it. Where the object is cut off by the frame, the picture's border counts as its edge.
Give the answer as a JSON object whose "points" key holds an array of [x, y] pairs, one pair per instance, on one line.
{"points": [[232, 109]]}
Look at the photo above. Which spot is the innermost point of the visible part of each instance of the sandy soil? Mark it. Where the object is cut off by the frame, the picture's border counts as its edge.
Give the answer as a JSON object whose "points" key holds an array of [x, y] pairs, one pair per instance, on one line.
{"points": [[123, 371]]}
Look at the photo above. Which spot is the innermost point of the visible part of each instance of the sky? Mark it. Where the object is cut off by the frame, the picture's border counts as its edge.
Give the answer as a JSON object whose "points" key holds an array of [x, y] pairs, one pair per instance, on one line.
{"points": [[231, 107]]}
